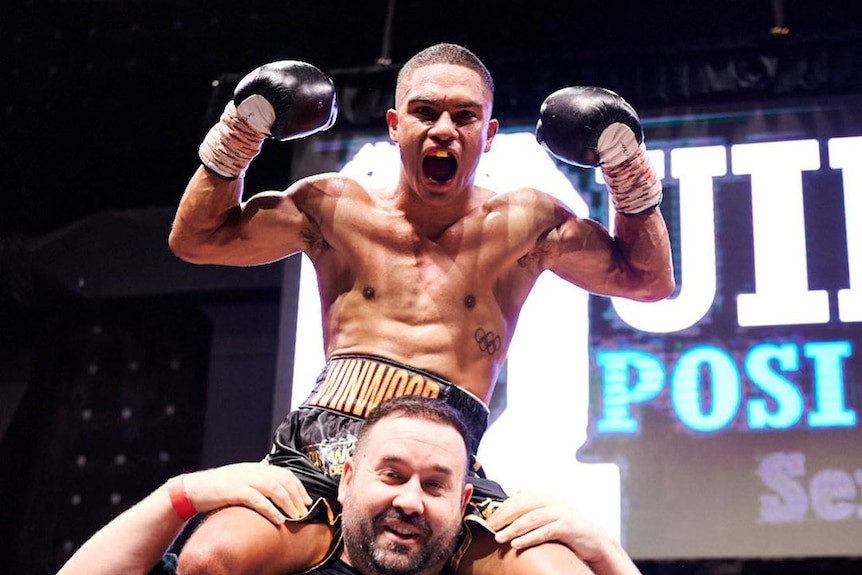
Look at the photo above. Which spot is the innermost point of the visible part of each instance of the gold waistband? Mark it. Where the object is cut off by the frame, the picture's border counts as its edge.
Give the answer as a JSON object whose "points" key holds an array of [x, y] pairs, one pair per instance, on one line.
{"points": [[354, 385]]}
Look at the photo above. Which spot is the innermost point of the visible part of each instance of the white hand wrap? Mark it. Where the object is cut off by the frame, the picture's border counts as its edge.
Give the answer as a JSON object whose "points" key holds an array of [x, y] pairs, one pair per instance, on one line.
{"points": [[230, 145], [631, 179]]}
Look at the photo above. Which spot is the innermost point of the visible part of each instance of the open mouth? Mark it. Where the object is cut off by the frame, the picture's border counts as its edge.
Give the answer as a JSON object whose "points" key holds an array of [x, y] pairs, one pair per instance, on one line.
{"points": [[401, 529], [402, 534], [440, 167]]}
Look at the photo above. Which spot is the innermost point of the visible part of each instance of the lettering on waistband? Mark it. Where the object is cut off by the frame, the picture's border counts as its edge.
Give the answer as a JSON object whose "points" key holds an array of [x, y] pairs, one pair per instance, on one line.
{"points": [[356, 386]]}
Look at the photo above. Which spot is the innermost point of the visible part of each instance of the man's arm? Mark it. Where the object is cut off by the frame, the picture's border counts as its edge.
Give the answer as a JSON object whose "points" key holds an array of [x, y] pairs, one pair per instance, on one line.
{"points": [[135, 541], [635, 263], [526, 520], [282, 100], [211, 226], [594, 127]]}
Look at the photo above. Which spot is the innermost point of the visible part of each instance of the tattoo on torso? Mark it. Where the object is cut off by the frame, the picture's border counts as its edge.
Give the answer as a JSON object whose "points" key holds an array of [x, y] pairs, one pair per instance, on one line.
{"points": [[488, 341]]}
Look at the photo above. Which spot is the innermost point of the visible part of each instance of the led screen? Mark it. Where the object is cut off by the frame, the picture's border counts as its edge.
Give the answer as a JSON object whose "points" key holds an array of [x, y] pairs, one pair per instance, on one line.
{"points": [[724, 421]]}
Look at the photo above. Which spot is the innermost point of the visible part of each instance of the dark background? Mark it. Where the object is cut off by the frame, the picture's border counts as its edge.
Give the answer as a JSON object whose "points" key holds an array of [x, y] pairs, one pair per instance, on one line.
{"points": [[104, 102], [119, 365]]}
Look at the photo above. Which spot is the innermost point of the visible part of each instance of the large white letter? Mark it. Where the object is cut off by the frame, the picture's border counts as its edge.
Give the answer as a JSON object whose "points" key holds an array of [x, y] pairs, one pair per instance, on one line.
{"points": [[695, 169], [782, 296], [844, 154]]}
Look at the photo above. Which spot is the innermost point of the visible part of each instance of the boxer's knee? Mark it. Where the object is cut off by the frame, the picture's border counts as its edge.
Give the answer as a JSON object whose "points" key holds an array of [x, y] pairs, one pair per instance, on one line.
{"points": [[233, 541], [208, 558]]}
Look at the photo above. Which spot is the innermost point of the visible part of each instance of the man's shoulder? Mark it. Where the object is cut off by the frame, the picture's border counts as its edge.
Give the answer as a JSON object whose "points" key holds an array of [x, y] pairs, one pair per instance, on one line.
{"points": [[335, 567]]}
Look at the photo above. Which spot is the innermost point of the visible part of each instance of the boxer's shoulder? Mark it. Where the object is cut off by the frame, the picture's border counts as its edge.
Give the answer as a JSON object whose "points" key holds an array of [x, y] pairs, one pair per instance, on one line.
{"points": [[529, 206], [310, 192], [330, 183], [518, 197]]}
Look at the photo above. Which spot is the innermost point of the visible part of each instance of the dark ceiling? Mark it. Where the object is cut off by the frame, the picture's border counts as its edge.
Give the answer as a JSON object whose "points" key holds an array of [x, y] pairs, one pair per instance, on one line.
{"points": [[105, 101]]}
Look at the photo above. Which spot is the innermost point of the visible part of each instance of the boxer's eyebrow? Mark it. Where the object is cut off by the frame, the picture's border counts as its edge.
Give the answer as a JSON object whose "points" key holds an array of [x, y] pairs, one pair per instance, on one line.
{"points": [[461, 104]]}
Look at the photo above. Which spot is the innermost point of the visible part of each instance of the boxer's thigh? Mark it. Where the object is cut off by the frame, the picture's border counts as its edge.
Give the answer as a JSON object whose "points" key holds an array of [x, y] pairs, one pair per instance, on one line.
{"points": [[237, 540], [485, 556]]}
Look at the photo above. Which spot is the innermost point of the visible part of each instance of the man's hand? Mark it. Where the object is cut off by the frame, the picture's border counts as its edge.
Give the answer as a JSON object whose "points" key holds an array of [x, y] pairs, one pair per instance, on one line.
{"points": [[529, 519], [258, 486]]}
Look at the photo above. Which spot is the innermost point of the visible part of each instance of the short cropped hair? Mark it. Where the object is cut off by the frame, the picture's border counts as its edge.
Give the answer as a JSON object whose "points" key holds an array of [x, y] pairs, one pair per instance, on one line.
{"points": [[445, 53], [416, 407]]}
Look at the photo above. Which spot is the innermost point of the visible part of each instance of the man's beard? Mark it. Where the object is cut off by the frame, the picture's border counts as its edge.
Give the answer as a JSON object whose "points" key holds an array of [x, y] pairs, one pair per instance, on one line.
{"points": [[389, 558]]}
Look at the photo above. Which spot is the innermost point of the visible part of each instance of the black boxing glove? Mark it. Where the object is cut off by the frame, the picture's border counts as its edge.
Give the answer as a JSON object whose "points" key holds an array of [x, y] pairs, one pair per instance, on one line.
{"points": [[594, 127], [284, 100]]}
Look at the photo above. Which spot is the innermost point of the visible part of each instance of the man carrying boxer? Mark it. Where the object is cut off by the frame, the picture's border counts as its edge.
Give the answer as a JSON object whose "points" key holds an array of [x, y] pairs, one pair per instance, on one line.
{"points": [[404, 494], [421, 284]]}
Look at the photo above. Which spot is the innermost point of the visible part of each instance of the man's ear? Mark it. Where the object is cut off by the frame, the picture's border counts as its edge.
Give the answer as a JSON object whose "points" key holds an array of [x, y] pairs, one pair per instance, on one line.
{"points": [[493, 125], [346, 478], [466, 495], [392, 123]]}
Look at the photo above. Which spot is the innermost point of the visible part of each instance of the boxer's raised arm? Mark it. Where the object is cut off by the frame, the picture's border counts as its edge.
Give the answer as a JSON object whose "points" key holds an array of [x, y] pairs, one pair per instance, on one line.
{"points": [[594, 127], [284, 100]]}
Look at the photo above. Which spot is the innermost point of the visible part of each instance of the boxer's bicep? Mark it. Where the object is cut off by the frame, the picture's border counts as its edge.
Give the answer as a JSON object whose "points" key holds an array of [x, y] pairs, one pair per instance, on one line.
{"points": [[582, 252]]}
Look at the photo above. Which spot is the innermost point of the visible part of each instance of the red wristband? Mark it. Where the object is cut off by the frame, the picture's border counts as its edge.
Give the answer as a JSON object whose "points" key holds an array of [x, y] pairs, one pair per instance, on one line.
{"points": [[180, 500]]}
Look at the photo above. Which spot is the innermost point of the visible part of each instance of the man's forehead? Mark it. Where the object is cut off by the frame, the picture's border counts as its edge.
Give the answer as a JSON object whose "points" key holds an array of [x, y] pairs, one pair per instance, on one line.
{"points": [[403, 425], [398, 434], [452, 81]]}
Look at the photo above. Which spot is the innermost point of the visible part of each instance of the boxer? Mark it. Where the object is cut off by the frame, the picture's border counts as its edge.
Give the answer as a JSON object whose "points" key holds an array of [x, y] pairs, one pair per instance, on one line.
{"points": [[420, 283]]}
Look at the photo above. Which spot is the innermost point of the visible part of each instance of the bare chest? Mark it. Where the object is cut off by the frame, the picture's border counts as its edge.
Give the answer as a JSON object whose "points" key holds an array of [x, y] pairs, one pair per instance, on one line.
{"points": [[401, 271], [447, 269]]}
